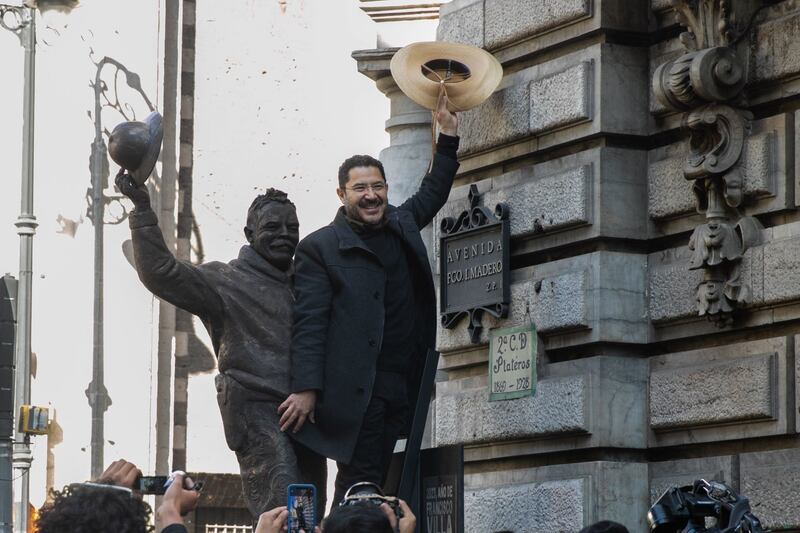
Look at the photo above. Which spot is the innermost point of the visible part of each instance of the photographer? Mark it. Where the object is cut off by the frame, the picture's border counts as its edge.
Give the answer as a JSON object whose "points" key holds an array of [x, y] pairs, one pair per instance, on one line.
{"points": [[110, 504], [353, 518]]}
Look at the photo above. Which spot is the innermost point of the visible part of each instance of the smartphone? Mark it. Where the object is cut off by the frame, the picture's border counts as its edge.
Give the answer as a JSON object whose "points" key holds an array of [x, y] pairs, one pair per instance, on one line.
{"points": [[152, 484], [302, 505]]}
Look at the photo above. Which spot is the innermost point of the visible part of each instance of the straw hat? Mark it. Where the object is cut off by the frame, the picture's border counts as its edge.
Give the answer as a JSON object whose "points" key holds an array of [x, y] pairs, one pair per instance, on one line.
{"points": [[470, 74], [135, 146]]}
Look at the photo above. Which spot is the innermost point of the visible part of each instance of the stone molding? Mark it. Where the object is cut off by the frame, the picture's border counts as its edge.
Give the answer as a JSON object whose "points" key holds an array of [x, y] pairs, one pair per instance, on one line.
{"points": [[771, 270], [706, 83]]}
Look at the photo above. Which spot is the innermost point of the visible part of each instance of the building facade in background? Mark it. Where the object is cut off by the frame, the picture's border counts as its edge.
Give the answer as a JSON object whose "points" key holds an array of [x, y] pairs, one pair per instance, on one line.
{"points": [[655, 245]]}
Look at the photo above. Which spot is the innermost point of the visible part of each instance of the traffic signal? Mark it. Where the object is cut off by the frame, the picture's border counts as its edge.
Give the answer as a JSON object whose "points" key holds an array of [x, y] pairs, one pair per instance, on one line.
{"points": [[8, 321]]}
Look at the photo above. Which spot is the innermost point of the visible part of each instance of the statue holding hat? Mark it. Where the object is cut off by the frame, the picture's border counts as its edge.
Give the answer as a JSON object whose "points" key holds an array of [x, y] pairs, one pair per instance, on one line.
{"points": [[246, 306]]}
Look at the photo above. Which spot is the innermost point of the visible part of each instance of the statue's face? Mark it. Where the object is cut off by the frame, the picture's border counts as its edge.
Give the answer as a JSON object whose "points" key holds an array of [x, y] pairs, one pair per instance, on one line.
{"points": [[274, 232], [365, 195]]}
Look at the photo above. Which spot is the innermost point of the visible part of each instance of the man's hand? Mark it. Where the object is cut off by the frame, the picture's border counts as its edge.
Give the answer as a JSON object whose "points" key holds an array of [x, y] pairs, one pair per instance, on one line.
{"points": [[178, 500], [298, 407], [137, 193], [447, 121], [121, 473], [405, 524], [274, 521]]}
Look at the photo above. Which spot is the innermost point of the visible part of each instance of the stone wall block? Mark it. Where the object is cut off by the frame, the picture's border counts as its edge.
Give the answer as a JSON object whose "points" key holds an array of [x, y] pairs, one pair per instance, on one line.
{"points": [[667, 474], [775, 50], [550, 506], [562, 99], [572, 301], [574, 398], [729, 392], [770, 480], [550, 203], [558, 407], [672, 288], [702, 394], [461, 22], [513, 20], [782, 269], [560, 302], [562, 498], [502, 118]]}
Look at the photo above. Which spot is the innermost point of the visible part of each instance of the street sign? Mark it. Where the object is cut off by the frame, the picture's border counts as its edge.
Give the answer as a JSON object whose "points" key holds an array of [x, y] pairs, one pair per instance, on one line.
{"points": [[512, 362]]}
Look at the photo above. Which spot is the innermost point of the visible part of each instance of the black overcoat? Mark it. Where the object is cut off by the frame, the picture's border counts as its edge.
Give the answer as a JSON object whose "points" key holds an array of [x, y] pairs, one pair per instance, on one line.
{"points": [[339, 314]]}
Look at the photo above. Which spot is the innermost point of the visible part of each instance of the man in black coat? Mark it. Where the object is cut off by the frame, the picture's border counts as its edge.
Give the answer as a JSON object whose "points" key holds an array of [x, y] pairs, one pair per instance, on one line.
{"points": [[246, 306], [365, 316]]}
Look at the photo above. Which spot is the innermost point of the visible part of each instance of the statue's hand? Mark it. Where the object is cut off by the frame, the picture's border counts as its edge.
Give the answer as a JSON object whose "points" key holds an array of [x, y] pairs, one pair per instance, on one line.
{"points": [[137, 193]]}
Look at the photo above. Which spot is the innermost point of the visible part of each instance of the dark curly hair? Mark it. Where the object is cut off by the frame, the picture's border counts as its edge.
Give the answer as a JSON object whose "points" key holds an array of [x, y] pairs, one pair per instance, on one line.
{"points": [[83, 509], [272, 195], [358, 161]]}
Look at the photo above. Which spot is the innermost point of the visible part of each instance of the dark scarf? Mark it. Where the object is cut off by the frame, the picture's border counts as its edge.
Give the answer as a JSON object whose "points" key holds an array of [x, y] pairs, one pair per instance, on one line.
{"points": [[362, 228]]}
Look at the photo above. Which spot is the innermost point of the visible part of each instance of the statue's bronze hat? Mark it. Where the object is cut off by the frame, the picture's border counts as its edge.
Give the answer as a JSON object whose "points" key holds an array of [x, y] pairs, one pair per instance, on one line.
{"points": [[135, 146]]}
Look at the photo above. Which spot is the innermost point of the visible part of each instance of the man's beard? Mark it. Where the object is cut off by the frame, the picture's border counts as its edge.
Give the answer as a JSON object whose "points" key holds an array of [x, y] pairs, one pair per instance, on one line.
{"points": [[353, 213]]}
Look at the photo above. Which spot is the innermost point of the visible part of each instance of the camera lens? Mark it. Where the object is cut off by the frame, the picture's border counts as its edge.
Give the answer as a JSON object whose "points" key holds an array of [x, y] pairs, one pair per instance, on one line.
{"points": [[659, 518]]}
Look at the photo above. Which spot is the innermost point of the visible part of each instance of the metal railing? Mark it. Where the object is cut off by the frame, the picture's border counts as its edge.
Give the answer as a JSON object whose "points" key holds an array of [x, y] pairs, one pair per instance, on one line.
{"points": [[222, 528]]}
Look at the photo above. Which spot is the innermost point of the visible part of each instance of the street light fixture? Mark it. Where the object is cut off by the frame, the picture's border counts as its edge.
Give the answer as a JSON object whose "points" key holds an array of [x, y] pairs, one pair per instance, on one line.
{"points": [[21, 20]]}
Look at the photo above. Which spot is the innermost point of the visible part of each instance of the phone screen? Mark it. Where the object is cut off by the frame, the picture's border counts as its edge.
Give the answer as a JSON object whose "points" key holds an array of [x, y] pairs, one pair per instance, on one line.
{"points": [[302, 505], [152, 484]]}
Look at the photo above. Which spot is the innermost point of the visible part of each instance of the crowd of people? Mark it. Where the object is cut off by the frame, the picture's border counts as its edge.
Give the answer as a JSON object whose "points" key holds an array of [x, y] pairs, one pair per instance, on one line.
{"points": [[111, 504]]}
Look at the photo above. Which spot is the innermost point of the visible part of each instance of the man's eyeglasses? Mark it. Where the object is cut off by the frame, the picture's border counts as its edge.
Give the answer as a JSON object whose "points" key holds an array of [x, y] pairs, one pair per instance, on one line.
{"points": [[361, 188]]}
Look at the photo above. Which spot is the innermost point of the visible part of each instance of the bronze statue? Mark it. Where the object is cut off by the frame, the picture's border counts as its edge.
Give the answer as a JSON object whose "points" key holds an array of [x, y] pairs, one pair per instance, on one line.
{"points": [[246, 306]]}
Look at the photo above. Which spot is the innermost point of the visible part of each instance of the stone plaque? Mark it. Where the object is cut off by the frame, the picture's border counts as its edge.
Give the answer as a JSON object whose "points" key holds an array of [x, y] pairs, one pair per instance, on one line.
{"points": [[474, 256], [512, 362]]}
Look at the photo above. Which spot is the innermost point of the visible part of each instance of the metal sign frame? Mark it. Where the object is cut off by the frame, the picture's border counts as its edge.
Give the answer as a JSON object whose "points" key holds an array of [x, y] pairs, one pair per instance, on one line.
{"points": [[470, 222]]}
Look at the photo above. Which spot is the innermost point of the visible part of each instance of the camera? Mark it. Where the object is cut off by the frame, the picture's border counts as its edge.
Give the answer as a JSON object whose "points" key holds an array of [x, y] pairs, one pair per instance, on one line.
{"points": [[685, 509], [368, 492]]}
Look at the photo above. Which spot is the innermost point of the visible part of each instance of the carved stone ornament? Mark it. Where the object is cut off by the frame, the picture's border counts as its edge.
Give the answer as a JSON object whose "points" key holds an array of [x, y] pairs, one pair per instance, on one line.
{"points": [[707, 83], [481, 287]]}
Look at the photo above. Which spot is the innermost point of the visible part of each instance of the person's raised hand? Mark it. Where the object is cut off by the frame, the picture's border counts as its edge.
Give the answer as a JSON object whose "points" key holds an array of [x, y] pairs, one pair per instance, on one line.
{"points": [[296, 409], [179, 499], [121, 473], [137, 193], [406, 524], [273, 521], [445, 119]]}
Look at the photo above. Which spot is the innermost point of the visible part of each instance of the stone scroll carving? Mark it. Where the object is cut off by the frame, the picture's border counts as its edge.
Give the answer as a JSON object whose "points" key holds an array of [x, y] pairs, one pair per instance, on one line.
{"points": [[706, 84]]}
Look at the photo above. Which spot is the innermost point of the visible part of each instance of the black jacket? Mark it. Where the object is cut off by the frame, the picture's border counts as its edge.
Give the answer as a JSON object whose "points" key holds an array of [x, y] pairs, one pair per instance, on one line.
{"points": [[339, 314], [245, 305]]}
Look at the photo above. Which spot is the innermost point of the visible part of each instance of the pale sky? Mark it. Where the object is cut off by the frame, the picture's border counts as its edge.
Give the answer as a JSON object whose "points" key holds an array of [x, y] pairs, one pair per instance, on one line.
{"points": [[278, 103]]}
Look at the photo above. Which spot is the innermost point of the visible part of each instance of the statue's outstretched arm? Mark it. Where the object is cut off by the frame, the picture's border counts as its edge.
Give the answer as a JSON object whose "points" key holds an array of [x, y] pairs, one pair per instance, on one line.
{"points": [[178, 282]]}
